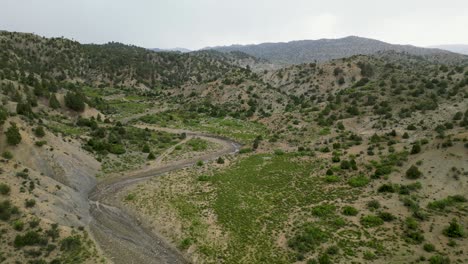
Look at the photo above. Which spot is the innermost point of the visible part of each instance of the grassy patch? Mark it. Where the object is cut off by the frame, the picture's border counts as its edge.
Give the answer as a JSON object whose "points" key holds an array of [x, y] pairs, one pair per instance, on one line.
{"points": [[241, 130]]}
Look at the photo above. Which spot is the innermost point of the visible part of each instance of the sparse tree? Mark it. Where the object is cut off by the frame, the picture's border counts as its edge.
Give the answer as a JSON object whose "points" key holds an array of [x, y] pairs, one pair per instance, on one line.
{"points": [[13, 135]]}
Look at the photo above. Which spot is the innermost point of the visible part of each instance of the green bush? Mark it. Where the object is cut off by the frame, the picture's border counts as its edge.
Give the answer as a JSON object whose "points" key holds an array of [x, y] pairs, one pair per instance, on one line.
{"points": [[13, 135], [7, 155], [413, 173], [30, 203], [438, 259], [146, 149], [40, 143], [4, 189], [371, 221], [373, 204], [220, 160], [307, 238], [151, 156], [350, 211], [358, 181], [447, 202], [75, 101], [386, 188], [332, 178], [71, 244], [53, 102], [18, 225], [6, 210], [323, 210], [39, 131], [3, 115], [386, 216], [429, 247], [31, 238], [454, 230], [416, 149], [117, 149]]}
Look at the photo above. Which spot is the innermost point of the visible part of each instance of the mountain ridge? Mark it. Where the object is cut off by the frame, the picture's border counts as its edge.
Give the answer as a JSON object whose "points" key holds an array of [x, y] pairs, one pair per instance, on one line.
{"points": [[457, 48], [304, 51]]}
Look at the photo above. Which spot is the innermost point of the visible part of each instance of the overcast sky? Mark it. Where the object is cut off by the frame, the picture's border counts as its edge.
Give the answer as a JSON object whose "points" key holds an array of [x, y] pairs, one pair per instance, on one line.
{"points": [[195, 24]]}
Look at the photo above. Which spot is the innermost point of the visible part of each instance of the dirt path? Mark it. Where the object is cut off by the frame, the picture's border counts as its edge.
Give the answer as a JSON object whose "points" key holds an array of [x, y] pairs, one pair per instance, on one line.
{"points": [[122, 237]]}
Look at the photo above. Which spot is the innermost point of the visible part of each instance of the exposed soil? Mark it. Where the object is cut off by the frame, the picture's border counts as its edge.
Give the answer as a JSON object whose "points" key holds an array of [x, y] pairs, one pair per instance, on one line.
{"points": [[120, 234]]}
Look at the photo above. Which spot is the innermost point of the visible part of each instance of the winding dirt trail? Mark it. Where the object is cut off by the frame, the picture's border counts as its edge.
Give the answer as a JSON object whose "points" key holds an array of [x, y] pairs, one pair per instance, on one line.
{"points": [[119, 233]]}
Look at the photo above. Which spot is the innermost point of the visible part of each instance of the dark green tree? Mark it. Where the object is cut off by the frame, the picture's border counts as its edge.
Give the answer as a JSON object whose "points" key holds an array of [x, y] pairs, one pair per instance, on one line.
{"points": [[53, 102], [3, 115], [413, 173], [13, 135], [75, 101]]}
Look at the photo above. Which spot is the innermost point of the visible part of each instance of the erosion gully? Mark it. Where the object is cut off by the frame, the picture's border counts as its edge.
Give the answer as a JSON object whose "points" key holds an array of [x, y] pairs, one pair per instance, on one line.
{"points": [[119, 233]]}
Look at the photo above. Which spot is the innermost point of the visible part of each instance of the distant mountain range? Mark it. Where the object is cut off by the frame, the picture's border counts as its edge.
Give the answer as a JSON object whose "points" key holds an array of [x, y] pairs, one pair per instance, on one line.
{"points": [[458, 48], [304, 51], [182, 50]]}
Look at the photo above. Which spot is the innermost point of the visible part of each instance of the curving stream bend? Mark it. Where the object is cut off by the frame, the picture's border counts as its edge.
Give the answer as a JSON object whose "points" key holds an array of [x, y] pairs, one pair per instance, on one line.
{"points": [[119, 233]]}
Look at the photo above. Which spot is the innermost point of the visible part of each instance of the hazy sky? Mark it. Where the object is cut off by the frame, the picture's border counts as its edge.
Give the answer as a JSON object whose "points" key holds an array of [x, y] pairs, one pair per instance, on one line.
{"points": [[199, 23]]}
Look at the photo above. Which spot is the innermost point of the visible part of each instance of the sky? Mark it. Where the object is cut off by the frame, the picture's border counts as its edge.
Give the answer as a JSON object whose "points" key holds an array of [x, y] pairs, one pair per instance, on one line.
{"points": [[195, 24]]}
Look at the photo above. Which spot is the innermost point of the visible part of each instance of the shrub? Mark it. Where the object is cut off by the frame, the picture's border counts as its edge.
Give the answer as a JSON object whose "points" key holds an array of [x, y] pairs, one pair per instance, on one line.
{"points": [[438, 259], [53, 102], [444, 203], [350, 211], [3, 115], [4, 189], [31, 238], [18, 225], [146, 149], [358, 181], [151, 156], [416, 149], [39, 131], [117, 149], [414, 237], [386, 216], [70, 244], [332, 178], [373, 204], [454, 230], [387, 188], [200, 163], [40, 143], [7, 155], [13, 135], [429, 247], [323, 210], [413, 173], [30, 203], [371, 221], [220, 160], [75, 101], [6, 210], [307, 238]]}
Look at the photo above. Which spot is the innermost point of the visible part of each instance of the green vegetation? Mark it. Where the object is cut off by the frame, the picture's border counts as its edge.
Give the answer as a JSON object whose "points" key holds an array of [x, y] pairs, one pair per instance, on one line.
{"points": [[413, 173], [4, 189], [447, 202], [371, 221], [358, 181], [350, 211], [454, 230], [244, 131], [13, 135], [75, 101]]}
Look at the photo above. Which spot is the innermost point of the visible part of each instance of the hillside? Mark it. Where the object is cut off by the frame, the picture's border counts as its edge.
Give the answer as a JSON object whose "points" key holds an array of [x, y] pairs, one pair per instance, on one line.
{"points": [[360, 159], [304, 51]]}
